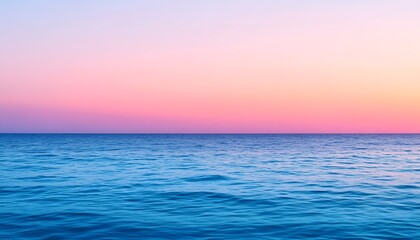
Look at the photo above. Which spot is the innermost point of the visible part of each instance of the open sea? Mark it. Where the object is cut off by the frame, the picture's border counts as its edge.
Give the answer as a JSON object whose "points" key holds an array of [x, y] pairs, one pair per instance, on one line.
{"points": [[110, 186]]}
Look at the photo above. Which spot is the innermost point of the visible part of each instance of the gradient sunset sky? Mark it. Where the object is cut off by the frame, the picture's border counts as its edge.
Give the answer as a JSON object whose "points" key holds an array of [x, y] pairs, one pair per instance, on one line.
{"points": [[214, 66]]}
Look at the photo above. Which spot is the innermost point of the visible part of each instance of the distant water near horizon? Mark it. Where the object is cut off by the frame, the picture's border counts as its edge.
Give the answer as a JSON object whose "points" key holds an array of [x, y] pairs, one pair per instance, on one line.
{"points": [[217, 186]]}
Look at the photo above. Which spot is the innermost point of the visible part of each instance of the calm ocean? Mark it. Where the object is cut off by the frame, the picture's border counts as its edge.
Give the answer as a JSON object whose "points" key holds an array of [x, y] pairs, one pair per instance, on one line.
{"points": [[70, 186]]}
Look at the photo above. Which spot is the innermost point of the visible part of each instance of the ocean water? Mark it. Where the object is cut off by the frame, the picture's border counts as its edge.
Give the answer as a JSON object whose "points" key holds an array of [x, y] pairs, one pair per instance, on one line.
{"points": [[58, 186]]}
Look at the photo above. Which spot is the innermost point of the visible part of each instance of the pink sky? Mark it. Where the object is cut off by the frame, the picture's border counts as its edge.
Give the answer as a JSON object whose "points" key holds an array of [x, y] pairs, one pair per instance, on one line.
{"points": [[210, 66]]}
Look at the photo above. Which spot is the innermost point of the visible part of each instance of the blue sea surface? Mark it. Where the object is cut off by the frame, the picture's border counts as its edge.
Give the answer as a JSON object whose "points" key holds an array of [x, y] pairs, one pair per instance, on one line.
{"points": [[86, 186]]}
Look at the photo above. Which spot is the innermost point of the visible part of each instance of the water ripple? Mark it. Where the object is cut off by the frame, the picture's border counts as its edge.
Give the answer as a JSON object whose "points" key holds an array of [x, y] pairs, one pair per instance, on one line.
{"points": [[209, 186]]}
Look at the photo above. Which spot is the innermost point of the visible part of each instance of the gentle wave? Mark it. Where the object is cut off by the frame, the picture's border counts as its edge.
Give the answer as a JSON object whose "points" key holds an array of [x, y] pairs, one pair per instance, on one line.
{"points": [[209, 186]]}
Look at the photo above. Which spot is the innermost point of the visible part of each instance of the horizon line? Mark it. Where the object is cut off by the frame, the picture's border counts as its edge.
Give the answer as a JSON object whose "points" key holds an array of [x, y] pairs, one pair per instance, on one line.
{"points": [[221, 133]]}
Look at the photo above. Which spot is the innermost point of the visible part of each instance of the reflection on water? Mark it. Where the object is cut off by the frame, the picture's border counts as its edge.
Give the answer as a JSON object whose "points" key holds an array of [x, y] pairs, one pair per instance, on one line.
{"points": [[209, 186]]}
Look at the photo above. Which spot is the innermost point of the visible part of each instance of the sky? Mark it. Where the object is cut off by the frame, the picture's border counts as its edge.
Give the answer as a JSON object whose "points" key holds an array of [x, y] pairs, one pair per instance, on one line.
{"points": [[210, 66]]}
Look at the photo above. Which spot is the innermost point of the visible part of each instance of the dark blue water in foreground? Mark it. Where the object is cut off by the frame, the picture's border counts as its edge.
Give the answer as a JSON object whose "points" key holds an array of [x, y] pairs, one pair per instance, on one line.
{"points": [[209, 186]]}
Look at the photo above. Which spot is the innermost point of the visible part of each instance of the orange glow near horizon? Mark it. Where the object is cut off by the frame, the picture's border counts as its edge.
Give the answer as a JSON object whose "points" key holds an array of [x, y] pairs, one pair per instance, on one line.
{"points": [[197, 67]]}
